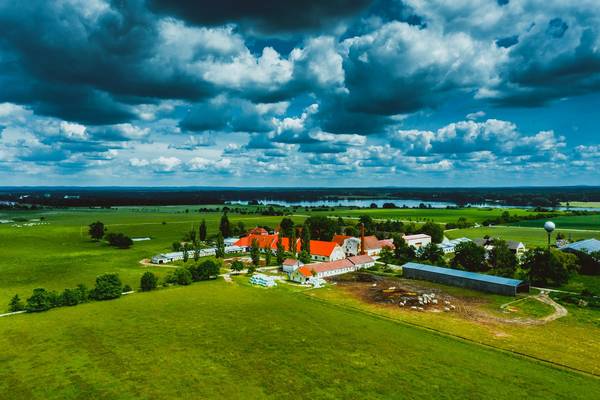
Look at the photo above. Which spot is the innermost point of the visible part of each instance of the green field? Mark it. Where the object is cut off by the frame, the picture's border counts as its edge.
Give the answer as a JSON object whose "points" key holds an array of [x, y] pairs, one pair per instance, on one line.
{"points": [[583, 204], [441, 215], [529, 235], [60, 254], [584, 222], [218, 340]]}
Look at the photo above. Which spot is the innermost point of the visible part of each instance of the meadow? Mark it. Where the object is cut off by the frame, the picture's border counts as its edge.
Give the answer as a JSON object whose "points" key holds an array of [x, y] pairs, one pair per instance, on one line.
{"points": [[440, 215], [583, 222], [530, 236], [229, 340], [220, 340], [61, 254]]}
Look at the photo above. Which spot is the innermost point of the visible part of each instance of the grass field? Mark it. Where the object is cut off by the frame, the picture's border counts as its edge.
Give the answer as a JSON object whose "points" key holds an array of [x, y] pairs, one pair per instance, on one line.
{"points": [[60, 254], [441, 215], [219, 340], [583, 222], [529, 235], [583, 204], [214, 339]]}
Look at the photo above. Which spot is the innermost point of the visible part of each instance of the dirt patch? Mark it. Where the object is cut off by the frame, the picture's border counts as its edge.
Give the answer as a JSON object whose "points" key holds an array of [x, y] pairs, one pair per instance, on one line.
{"points": [[408, 295]]}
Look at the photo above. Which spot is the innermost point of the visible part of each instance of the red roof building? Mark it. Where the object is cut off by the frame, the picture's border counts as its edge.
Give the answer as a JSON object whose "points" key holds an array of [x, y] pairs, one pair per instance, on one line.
{"points": [[331, 268]]}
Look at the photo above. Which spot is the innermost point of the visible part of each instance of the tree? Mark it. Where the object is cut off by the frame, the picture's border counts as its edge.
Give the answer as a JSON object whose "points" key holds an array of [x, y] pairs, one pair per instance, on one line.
{"points": [[220, 249], [72, 297], [240, 228], [192, 236], [176, 246], [304, 257], [386, 255], [108, 286], [237, 266], [502, 260], [40, 300], [402, 251], [96, 230], [119, 240], [292, 245], [286, 226], [255, 252], [202, 231], [209, 269], [148, 282], [224, 225], [320, 227], [196, 253], [16, 304], [305, 243], [469, 256], [268, 256], [548, 267], [183, 276], [431, 253], [434, 230], [186, 254], [280, 252]]}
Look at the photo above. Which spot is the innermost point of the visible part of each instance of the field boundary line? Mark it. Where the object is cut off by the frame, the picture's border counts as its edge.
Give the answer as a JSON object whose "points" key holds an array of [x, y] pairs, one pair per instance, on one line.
{"points": [[512, 353]]}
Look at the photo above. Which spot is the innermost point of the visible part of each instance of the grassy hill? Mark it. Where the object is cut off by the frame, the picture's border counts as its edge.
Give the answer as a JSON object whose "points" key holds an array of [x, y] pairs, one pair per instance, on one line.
{"points": [[219, 340]]}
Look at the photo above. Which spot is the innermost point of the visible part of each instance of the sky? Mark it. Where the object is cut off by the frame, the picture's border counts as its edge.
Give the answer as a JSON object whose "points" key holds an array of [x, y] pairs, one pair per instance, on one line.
{"points": [[300, 93]]}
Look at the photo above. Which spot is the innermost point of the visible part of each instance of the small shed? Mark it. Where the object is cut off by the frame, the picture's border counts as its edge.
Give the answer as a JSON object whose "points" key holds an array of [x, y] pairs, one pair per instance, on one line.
{"points": [[470, 280]]}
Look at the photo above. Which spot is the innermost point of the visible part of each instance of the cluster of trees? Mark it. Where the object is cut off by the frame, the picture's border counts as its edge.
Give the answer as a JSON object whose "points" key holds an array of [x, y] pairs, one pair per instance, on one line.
{"points": [[97, 231], [461, 223], [108, 286], [208, 269]]}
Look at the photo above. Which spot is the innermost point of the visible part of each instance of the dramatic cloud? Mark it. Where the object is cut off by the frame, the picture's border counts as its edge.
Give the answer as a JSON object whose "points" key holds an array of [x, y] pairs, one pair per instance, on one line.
{"points": [[399, 92]]}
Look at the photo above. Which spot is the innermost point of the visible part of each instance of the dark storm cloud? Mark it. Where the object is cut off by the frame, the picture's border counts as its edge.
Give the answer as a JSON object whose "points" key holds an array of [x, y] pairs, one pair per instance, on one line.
{"points": [[226, 115], [266, 15], [71, 62]]}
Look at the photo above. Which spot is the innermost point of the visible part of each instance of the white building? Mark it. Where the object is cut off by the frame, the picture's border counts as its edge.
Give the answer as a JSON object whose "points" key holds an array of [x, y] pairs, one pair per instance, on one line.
{"points": [[350, 244], [417, 241], [331, 268], [448, 246], [289, 265], [165, 258]]}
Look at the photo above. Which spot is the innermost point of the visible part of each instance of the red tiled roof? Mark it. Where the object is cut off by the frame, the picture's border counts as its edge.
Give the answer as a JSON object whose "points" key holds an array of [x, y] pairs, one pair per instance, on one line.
{"points": [[387, 243], [371, 243], [321, 248], [339, 239], [416, 236], [290, 261], [329, 266], [305, 271], [265, 241]]}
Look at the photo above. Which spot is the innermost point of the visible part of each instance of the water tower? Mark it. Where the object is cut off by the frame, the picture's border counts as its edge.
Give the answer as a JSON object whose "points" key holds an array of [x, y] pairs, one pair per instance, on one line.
{"points": [[549, 226]]}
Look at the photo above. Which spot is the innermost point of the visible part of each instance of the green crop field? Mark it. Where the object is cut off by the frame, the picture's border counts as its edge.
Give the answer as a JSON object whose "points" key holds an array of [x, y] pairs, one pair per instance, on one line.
{"points": [[582, 204], [441, 215], [219, 340], [584, 222]]}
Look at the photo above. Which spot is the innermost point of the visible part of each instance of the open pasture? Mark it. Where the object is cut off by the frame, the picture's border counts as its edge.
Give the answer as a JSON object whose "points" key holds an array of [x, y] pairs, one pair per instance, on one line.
{"points": [[220, 340]]}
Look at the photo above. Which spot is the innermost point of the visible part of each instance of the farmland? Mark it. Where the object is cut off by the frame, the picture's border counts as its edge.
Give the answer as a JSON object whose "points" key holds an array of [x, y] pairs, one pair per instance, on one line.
{"points": [[189, 342], [529, 235], [581, 222]]}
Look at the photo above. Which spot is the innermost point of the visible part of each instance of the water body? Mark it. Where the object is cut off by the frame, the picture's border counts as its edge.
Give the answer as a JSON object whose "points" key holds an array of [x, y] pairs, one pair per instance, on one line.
{"points": [[400, 203]]}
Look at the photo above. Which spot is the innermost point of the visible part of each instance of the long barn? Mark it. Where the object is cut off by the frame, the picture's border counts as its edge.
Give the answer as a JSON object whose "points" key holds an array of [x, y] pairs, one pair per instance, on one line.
{"points": [[470, 280]]}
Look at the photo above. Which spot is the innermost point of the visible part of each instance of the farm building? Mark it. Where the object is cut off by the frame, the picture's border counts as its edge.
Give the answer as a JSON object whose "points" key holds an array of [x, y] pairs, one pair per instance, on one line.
{"points": [[417, 241], [331, 268], [585, 246], [470, 280], [373, 246], [350, 244], [290, 265], [448, 246], [165, 258], [325, 251], [488, 243]]}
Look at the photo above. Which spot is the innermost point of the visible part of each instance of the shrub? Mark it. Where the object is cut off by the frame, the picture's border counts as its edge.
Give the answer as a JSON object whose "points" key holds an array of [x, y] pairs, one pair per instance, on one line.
{"points": [[72, 297], [183, 276], [41, 300], [148, 281], [108, 286], [127, 289], [119, 240], [16, 304]]}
